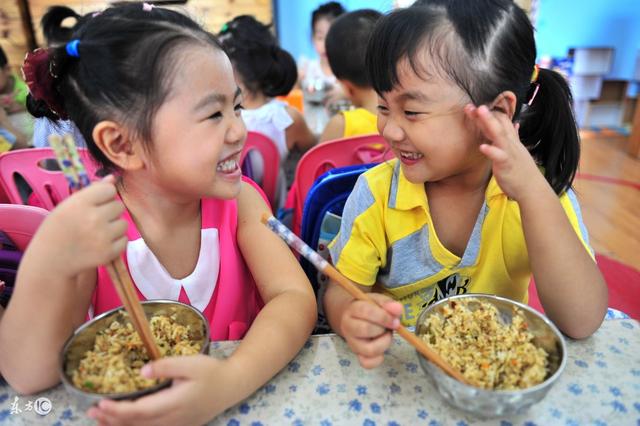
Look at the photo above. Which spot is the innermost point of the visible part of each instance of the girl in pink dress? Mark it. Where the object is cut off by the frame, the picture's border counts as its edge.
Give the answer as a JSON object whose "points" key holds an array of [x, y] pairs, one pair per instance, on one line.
{"points": [[155, 98]]}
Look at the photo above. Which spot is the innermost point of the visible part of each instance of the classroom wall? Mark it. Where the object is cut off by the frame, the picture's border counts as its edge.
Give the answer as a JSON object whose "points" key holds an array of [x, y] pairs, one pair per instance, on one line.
{"points": [[562, 24], [294, 21]]}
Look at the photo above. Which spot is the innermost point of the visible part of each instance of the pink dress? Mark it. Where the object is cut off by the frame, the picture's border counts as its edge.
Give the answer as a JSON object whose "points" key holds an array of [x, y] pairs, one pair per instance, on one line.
{"points": [[220, 286]]}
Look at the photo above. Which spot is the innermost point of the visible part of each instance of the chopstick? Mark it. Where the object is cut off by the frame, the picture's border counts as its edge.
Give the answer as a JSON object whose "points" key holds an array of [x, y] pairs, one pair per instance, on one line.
{"points": [[322, 265], [73, 169]]}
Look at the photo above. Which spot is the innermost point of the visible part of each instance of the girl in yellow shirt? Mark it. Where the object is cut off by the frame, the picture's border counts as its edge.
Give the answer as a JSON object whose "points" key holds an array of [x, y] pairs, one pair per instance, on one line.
{"points": [[466, 208]]}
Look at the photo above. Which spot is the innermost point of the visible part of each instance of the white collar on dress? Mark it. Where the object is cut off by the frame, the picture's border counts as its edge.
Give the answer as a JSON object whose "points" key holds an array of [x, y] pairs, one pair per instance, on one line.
{"points": [[154, 282]]}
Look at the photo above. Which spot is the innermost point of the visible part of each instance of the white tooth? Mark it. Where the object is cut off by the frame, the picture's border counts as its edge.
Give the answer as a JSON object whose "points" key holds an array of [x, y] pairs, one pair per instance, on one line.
{"points": [[227, 166], [411, 155]]}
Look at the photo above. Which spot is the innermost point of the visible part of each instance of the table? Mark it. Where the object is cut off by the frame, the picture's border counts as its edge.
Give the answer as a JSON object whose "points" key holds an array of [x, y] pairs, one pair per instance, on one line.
{"points": [[324, 385]]}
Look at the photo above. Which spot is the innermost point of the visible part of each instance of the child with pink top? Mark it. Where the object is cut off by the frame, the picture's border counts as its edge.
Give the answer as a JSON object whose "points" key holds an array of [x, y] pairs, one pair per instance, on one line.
{"points": [[154, 96]]}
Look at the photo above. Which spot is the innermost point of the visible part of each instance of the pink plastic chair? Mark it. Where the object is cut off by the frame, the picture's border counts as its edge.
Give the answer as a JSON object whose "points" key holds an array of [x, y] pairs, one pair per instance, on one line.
{"points": [[268, 150], [20, 222], [49, 187], [327, 156]]}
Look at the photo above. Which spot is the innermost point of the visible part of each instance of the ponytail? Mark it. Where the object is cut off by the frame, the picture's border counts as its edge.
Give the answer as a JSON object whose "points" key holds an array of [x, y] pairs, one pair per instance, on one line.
{"points": [[263, 66], [280, 73], [52, 27], [548, 129]]}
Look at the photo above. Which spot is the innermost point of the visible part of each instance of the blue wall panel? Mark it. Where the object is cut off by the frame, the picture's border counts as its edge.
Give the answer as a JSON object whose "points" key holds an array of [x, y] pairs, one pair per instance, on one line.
{"points": [[562, 24]]}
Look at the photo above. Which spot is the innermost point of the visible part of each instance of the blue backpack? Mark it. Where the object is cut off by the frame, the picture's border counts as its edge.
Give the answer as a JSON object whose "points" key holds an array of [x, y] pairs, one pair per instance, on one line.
{"points": [[321, 218]]}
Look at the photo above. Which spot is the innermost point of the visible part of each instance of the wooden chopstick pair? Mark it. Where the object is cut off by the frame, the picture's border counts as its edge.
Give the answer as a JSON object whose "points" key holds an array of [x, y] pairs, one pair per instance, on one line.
{"points": [[322, 265], [73, 169]]}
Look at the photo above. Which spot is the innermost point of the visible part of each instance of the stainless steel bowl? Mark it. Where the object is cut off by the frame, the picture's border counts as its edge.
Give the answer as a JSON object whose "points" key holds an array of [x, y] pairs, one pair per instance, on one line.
{"points": [[83, 339], [487, 403]]}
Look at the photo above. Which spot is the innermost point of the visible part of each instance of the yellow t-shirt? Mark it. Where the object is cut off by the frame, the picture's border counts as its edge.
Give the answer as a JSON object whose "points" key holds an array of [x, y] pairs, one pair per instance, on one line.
{"points": [[359, 122], [387, 238]]}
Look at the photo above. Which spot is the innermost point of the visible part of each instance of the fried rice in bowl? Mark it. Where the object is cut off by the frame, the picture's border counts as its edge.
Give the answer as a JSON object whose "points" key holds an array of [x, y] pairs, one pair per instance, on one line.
{"points": [[509, 353], [103, 358]]}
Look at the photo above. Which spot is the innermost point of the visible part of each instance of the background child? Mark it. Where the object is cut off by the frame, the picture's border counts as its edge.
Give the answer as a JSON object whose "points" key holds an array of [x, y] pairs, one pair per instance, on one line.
{"points": [[13, 91], [466, 207], [316, 74], [46, 122], [346, 45], [264, 71], [155, 98]]}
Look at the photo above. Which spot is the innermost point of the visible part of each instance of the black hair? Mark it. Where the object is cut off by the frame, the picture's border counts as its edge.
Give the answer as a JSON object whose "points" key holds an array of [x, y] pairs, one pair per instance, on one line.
{"points": [[3, 58], [51, 24], [330, 11], [128, 55], [346, 45], [263, 66], [54, 34], [485, 47]]}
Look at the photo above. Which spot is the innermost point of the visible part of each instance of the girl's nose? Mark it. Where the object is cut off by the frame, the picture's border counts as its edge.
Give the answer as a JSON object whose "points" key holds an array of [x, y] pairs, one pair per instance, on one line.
{"points": [[237, 132], [391, 131]]}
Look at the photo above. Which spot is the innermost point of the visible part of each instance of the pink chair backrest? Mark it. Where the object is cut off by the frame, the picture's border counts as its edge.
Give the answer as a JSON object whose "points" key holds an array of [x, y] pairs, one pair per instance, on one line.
{"points": [[20, 222], [271, 158], [49, 187], [332, 154]]}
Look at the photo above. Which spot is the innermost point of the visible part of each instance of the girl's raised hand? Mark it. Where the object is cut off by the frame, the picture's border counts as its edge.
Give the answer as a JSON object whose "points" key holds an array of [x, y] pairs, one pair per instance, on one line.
{"points": [[86, 230], [195, 397], [367, 328], [513, 167]]}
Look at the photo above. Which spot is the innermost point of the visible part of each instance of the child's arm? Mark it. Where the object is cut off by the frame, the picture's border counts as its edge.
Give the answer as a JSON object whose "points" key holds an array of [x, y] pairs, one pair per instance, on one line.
{"points": [[571, 288], [289, 314], [55, 282], [569, 283], [366, 327], [334, 129], [210, 385], [298, 133]]}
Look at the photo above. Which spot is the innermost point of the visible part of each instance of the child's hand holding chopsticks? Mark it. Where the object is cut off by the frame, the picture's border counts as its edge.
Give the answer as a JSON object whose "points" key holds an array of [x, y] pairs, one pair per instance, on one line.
{"points": [[87, 228]]}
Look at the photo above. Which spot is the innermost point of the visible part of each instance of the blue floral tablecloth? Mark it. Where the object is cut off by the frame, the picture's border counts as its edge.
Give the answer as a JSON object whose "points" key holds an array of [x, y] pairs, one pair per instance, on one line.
{"points": [[324, 385]]}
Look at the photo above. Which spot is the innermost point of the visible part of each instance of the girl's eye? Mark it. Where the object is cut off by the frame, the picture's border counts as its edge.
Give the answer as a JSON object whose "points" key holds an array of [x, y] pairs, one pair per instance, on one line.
{"points": [[411, 113], [216, 115], [238, 108], [382, 109]]}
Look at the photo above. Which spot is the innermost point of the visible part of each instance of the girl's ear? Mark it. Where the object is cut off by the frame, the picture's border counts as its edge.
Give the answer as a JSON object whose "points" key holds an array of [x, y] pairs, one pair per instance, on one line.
{"points": [[348, 87], [505, 102], [113, 140]]}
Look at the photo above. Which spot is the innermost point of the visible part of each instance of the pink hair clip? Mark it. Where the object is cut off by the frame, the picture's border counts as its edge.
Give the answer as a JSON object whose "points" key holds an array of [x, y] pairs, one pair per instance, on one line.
{"points": [[535, 92], [147, 7]]}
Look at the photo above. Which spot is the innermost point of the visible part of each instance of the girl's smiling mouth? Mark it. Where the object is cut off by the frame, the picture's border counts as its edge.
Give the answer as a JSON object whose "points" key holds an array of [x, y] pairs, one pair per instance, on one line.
{"points": [[230, 164], [409, 157]]}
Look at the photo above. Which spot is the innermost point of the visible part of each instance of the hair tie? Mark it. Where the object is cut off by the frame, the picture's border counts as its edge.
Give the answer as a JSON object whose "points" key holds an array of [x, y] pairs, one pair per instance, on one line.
{"points": [[147, 7], [37, 72], [224, 28], [535, 74], [72, 48]]}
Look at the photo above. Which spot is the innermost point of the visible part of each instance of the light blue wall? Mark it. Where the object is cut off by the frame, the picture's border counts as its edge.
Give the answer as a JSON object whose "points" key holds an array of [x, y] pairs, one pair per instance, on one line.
{"points": [[294, 21], [562, 24]]}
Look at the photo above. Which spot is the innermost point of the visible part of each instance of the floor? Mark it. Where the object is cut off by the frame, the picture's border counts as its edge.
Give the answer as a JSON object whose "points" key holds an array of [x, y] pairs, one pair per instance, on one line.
{"points": [[608, 187]]}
